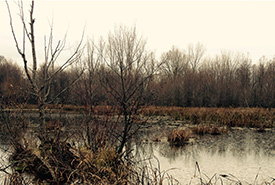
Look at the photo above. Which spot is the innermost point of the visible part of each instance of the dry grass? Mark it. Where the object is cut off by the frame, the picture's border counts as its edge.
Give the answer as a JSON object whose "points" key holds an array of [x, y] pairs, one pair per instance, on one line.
{"points": [[59, 163], [149, 173], [208, 129], [231, 117], [82, 166], [179, 137], [55, 160]]}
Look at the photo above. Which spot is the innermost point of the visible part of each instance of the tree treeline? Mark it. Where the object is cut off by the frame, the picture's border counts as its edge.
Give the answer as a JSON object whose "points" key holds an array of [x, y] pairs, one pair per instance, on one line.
{"points": [[186, 78], [223, 81]]}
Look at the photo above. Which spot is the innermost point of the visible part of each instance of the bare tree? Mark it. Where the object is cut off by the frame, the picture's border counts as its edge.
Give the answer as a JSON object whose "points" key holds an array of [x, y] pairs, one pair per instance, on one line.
{"points": [[175, 63], [92, 65], [195, 54], [270, 83], [89, 84], [263, 83], [40, 86], [130, 68], [175, 66], [243, 82]]}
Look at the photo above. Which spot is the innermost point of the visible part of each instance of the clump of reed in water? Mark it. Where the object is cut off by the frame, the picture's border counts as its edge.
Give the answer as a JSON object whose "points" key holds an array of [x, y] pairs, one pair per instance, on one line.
{"points": [[179, 137]]}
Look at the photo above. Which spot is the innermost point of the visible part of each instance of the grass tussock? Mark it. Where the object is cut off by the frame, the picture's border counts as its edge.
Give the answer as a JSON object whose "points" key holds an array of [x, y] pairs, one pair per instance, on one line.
{"points": [[59, 163], [179, 137], [103, 167], [208, 129]]}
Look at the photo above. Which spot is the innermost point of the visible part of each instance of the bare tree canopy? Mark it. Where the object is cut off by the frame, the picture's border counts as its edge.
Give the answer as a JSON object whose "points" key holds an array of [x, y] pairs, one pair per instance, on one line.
{"points": [[130, 68], [195, 54], [40, 86]]}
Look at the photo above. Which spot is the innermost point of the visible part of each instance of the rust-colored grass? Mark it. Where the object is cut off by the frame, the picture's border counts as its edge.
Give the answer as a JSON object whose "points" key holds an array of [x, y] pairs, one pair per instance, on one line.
{"points": [[179, 137], [208, 129], [231, 117], [59, 163]]}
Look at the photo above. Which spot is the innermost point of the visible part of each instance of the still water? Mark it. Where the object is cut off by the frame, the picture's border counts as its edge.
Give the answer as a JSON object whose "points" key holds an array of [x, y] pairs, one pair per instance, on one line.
{"points": [[242, 155]]}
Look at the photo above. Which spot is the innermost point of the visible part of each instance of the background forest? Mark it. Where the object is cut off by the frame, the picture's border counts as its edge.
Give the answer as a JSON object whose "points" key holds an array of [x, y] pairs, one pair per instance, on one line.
{"points": [[185, 78]]}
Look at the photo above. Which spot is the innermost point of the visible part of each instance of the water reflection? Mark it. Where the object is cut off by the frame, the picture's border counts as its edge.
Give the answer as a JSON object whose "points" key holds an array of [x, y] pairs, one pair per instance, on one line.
{"points": [[243, 153]]}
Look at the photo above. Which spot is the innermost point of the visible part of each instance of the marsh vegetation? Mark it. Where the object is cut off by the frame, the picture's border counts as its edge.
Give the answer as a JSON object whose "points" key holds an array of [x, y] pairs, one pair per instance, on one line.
{"points": [[69, 157], [99, 116]]}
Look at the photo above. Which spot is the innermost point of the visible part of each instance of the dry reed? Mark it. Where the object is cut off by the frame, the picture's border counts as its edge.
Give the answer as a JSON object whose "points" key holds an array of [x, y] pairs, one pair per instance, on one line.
{"points": [[179, 137], [231, 117]]}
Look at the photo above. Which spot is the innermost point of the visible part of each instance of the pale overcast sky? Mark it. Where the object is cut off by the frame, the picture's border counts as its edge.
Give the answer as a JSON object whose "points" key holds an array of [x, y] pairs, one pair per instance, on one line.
{"points": [[237, 26]]}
